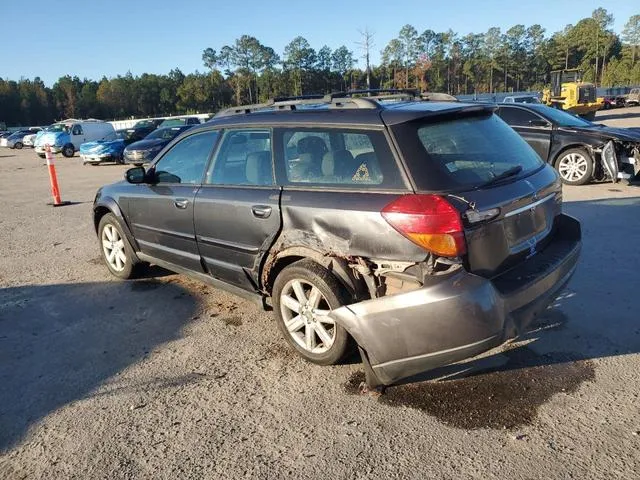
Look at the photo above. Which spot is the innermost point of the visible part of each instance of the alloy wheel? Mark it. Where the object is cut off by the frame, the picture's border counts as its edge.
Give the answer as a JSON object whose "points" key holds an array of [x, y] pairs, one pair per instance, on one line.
{"points": [[113, 248], [573, 167], [305, 313]]}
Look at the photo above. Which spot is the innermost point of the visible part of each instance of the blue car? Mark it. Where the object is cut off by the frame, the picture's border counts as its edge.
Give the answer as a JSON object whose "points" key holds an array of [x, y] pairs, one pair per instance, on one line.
{"points": [[108, 150]]}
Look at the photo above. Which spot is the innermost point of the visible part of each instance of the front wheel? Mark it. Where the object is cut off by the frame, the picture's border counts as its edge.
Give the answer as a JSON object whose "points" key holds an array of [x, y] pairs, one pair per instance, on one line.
{"points": [[575, 166], [116, 251], [18, 145], [304, 294], [68, 151]]}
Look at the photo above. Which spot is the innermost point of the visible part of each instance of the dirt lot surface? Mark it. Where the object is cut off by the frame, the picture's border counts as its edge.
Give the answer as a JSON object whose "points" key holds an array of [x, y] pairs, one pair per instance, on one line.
{"points": [[164, 377]]}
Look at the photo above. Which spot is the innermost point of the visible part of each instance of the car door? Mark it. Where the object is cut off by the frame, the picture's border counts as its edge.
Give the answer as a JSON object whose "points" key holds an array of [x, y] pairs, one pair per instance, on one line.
{"points": [[237, 209], [532, 127], [161, 212], [77, 135]]}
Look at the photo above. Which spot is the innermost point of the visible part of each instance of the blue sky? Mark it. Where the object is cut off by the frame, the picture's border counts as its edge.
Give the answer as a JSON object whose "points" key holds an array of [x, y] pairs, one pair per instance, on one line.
{"points": [[92, 38]]}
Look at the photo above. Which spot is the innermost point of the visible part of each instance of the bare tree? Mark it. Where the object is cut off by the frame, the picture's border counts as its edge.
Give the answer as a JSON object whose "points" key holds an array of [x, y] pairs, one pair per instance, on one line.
{"points": [[366, 45]]}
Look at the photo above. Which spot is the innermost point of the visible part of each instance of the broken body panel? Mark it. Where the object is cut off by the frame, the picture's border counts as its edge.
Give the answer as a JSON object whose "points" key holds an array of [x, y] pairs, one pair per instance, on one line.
{"points": [[460, 315], [416, 317]]}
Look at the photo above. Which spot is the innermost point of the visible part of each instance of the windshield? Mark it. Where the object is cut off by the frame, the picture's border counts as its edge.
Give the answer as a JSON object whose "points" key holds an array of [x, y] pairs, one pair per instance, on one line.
{"points": [[143, 123], [173, 122], [58, 127], [164, 133], [471, 151], [118, 134], [564, 119]]}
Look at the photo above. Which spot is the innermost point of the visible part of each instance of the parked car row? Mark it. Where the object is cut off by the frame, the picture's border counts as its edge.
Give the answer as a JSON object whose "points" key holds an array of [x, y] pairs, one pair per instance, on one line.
{"points": [[16, 139], [97, 141], [66, 137], [125, 147]]}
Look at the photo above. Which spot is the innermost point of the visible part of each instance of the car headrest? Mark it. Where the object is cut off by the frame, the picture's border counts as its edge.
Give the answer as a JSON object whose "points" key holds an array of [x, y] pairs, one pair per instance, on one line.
{"points": [[339, 163], [258, 168], [312, 144]]}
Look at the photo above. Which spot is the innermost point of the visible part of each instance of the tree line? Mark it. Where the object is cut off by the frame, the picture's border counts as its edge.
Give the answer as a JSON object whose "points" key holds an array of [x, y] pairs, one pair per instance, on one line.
{"points": [[247, 71]]}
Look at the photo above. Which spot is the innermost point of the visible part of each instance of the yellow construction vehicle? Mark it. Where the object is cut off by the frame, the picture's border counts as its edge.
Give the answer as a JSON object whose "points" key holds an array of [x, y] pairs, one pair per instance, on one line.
{"points": [[568, 92]]}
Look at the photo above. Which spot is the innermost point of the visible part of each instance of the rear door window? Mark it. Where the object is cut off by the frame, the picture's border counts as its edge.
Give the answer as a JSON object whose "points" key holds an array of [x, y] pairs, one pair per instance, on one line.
{"points": [[337, 157], [517, 117], [468, 151]]}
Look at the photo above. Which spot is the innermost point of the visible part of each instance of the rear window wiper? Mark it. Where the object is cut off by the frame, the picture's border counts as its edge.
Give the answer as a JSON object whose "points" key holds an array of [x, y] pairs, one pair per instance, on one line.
{"points": [[506, 174]]}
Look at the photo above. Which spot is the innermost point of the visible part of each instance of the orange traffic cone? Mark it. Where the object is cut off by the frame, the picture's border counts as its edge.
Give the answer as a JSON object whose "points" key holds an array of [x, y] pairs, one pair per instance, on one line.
{"points": [[53, 178]]}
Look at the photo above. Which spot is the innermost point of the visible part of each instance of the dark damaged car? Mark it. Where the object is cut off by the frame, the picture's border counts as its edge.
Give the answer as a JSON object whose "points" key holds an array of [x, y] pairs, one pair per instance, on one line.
{"points": [[580, 150], [421, 232], [143, 151]]}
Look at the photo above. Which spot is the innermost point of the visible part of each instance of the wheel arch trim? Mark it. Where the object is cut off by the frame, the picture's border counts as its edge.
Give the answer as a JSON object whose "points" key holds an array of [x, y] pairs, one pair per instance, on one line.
{"points": [[109, 205]]}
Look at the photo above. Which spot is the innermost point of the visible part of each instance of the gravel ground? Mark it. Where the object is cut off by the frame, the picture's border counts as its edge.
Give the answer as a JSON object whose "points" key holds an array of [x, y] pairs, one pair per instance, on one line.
{"points": [[164, 377]]}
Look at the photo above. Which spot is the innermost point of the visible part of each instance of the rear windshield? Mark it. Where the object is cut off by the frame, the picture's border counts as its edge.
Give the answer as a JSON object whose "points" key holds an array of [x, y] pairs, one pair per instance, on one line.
{"points": [[469, 151]]}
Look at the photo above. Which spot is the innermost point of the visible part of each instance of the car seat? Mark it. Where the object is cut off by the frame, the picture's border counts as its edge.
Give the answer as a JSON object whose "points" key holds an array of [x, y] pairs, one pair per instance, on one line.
{"points": [[338, 166], [309, 165], [258, 168]]}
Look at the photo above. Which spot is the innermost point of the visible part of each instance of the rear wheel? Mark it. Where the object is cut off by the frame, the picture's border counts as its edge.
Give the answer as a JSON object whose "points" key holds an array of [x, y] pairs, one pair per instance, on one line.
{"points": [[68, 151], [304, 294], [575, 166]]}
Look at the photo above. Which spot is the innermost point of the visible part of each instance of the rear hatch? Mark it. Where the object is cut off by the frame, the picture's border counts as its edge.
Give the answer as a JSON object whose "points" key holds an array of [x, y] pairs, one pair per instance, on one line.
{"points": [[510, 222], [508, 197]]}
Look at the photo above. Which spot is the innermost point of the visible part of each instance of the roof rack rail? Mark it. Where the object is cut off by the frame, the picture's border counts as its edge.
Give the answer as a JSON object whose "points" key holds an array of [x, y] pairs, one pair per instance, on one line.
{"points": [[332, 100], [377, 91], [367, 99], [314, 96]]}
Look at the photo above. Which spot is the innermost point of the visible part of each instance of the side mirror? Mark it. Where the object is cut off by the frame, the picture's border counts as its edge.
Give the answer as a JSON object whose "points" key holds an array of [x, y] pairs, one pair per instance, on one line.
{"points": [[135, 175], [538, 122]]}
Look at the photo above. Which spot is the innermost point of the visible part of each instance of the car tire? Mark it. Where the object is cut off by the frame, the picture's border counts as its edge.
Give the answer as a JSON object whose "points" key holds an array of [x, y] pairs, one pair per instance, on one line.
{"points": [[316, 338], [68, 151], [18, 145], [575, 166], [123, 263], [42, 155]]}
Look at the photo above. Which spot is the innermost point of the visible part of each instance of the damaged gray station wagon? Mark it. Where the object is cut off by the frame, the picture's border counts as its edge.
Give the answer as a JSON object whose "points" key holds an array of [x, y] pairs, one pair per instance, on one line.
{"points": [[420, 232]]}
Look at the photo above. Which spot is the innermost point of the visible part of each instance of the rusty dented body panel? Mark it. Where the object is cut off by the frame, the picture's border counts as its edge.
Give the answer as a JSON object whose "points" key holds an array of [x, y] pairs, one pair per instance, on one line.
{"points": [[317, 224]]}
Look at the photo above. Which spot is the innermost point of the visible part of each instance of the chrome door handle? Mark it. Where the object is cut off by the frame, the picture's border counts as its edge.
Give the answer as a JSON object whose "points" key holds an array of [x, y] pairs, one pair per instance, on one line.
{"points": [[181, 203], [261, 211]]}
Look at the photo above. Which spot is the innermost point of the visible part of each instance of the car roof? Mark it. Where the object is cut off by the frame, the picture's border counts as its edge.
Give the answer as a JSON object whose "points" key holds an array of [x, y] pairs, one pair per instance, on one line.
{"points": [[388, 112]]}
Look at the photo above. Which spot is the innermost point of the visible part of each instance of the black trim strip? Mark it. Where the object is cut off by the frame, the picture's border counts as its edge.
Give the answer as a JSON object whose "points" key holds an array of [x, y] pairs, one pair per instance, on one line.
{"points": [[171, 233], [216, 242]]}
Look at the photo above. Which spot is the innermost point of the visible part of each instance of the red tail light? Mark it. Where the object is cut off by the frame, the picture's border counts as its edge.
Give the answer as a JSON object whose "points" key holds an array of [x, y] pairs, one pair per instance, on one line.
{"points": [[429, 221]]}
